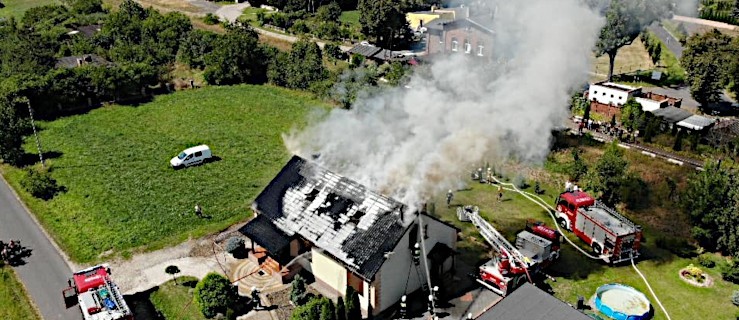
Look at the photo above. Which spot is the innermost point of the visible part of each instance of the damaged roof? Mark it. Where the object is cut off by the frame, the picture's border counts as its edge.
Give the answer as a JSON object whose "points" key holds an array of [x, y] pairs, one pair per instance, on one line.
{"points": [[355, 225]]}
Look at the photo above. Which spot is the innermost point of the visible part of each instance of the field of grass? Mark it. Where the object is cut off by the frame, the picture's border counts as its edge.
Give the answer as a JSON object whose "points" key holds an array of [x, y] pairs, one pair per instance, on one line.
{"points": [[174, 301], [14, 301], [122, 194], [350, 17], [16, 8], [629, 59], [577, 275]]}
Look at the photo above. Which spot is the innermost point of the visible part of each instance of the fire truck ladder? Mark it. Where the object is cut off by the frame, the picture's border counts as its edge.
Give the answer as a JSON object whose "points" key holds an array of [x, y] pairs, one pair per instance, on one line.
{"points": [[615, 214], [113, 291], [497, 240]]}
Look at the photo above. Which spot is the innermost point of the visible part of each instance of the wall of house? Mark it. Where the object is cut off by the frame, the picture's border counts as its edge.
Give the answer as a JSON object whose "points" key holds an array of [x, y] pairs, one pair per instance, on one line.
{"points": [[328, 271], [443, 42], [399, 269], [606, 110], [607, 95], [651, 105], [416, 19]]}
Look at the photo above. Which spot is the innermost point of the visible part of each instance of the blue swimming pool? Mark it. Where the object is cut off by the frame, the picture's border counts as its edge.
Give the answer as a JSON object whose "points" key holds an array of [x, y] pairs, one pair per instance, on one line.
{"points": [[621, 302]]}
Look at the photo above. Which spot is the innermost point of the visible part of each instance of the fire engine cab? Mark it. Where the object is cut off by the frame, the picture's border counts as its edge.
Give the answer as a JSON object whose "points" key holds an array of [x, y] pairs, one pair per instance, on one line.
{"points": [[611, 236], [98, 296]]}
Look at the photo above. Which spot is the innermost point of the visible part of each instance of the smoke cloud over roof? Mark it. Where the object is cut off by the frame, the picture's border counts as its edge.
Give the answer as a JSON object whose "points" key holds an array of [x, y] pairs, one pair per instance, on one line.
{"points": [[414, 143]]}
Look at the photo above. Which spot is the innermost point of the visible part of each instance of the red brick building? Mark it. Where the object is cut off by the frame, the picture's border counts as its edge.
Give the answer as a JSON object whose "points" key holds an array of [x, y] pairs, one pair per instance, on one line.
{"points": [[468, 34]]}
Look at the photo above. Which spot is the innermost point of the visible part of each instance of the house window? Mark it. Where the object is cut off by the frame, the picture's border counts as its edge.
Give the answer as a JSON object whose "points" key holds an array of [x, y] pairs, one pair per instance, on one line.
{"points": [[455, 44], [467, 46], [595, 92], [480, 47], [611, 96]]}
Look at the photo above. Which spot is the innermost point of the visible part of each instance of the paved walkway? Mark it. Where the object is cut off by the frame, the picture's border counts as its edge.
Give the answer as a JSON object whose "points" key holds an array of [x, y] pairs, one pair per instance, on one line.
{"points": [[46, 271], [708, 23], [668, 39]]}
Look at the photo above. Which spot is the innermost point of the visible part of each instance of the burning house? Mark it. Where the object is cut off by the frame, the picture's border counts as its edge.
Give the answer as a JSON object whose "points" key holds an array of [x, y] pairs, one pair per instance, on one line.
{"points": [[349, 235]]}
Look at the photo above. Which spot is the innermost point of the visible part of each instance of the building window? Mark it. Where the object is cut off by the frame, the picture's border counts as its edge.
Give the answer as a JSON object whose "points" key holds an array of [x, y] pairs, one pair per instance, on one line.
{"points": [[611, 96], [455, 44], [480, 48], [595, 92], [467, 46]]}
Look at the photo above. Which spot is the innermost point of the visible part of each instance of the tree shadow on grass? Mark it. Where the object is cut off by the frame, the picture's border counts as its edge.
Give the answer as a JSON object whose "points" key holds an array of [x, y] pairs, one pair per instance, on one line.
{"points": [[29, 159], [141, 306]]}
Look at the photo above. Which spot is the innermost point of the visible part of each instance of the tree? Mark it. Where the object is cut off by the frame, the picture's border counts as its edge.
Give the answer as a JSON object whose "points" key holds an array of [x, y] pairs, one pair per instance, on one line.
{"points": [[384, 23], [678, 145], [328, 311], [709, 200], [395, 74], [195, 47], [705, 60], [11, 135], [624, 20], [297, 290], [586, 112], [40, 183], [631, 112], [214, 294], [577, 168], [609, 174], [340, 309], [353, 308], [330, 12], [656, 53], [237, 57], [312, 310], [300, 67], [87, 6], [172, 270]]}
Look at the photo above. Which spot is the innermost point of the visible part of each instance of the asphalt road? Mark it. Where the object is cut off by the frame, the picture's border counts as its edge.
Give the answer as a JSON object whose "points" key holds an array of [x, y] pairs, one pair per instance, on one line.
{"points": [[45, 272], [673, 44]]}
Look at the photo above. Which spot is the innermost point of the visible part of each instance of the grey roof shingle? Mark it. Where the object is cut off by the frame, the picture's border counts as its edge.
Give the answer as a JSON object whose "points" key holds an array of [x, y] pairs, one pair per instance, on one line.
{"points": [[76, 61], [672, 114], [265, 234], [531, 303], [354, 225]]}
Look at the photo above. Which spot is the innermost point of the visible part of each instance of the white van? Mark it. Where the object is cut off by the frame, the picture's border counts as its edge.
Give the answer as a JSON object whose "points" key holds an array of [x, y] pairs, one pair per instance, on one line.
{"points": [[191, 156]]}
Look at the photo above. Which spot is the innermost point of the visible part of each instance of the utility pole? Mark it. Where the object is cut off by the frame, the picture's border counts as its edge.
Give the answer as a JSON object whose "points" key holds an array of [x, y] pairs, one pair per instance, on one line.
{"points": [[35, 133]]}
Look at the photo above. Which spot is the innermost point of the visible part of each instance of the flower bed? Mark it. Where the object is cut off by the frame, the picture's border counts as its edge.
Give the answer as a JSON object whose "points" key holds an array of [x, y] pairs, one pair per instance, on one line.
{"points": [[695, 276]]}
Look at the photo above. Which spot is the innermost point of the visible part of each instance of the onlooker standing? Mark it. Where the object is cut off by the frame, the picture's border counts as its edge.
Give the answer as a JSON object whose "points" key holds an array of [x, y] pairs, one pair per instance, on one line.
{"points": [[198, 211]]}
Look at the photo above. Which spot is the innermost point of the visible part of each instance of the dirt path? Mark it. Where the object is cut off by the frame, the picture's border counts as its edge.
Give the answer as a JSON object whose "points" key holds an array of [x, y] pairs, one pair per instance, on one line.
{"points": [[709, 23]]}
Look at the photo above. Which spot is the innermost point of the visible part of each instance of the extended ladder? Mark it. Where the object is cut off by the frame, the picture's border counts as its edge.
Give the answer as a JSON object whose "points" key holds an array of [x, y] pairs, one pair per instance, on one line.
{"points": [[497, 240]]}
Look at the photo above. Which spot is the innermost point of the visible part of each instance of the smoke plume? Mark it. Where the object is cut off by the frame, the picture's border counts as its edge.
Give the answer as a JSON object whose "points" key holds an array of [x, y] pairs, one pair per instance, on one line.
{"points": [[412, 143]]}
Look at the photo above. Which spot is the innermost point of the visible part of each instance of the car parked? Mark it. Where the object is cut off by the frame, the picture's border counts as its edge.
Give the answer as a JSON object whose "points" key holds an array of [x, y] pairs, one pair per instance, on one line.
{"points": [[192, 156]]}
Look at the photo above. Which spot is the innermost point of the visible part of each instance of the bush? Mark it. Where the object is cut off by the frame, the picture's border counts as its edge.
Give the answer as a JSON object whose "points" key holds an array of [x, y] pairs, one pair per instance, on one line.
{"points": [[353, 310], [678, 246], [214, 294], [706, 261], [730, 271], [40, 184], [211, 19], [735, 298], [311, 310], [297, 291], [234, 245]]}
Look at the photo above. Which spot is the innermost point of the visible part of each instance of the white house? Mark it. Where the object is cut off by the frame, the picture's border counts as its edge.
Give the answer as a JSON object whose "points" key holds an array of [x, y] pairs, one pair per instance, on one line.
{"points": [[353, 236], [611, 93]]}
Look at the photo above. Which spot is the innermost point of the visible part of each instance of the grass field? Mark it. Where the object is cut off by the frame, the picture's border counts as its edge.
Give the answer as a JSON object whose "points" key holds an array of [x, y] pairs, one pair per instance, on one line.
{"points": [[174, 301], [350, 17], [14, 301], [16, 8], [577, 275], [630, 58], [121, 192]]}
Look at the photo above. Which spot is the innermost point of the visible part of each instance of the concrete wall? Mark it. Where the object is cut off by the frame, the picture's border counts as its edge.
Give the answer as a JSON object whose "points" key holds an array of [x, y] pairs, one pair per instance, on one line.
{"points": [[651, 105], [328, 271], [609, 93], [399, 268]]}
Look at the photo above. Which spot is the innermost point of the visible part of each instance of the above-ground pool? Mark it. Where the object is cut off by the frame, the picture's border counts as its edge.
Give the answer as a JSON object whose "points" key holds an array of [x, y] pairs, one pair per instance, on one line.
{"points": [[622, 302]]}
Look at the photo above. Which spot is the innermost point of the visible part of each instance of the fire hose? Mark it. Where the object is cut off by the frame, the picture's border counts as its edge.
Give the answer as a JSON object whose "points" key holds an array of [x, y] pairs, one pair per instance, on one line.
{"points": [[549, 210]]}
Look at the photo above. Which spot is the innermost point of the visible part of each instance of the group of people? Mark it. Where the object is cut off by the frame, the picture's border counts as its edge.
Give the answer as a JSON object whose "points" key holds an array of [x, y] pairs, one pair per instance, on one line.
{"points": [[608, 129], [10, 250]]}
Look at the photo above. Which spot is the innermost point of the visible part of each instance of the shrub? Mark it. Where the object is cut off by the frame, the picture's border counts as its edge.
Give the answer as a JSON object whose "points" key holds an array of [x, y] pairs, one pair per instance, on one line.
{"points": [[40, 184], [297, 291], [234, 245], [706, 261], [735, 298], [214, 294], [730, 271], [311, 310], [211, 19], [353, 310], [340, 310]]}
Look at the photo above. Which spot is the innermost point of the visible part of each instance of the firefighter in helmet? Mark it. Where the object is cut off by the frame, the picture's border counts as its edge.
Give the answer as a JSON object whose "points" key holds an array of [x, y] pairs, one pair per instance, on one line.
{"points": [[417, 253], [403, 307]]}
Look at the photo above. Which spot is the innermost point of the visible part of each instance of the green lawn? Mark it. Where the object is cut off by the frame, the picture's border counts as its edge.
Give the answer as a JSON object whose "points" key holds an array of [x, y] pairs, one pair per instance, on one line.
{"points": [[16, 8], [577, 275], [175, 301], [122, 195], [13, 297], [350, 17]]}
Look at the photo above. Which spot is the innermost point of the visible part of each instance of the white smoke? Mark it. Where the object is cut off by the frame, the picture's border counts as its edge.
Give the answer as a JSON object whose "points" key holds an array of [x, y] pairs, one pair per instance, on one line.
{"points": [[413, 143]]}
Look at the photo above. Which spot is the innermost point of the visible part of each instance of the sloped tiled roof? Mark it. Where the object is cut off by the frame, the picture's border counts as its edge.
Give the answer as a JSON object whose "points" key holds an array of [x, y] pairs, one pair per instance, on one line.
{"points": [[672, 114], [76, 61], [351, 223], [531, 303], [265, 234]]}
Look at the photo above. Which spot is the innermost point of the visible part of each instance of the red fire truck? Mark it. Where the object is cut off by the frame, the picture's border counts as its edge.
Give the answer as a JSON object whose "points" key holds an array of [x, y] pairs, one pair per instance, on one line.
{"points": [[610, 235], [535, 249], [98, 296]]}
